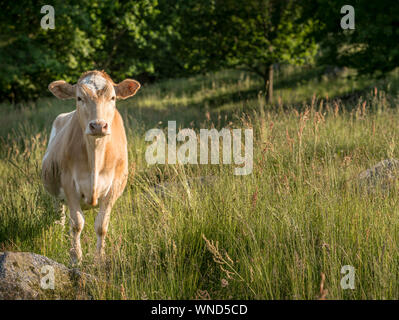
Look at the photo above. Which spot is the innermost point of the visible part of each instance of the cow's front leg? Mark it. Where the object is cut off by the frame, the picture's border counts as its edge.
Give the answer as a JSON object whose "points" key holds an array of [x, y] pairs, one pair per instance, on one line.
{"points": [[77, 222], [101, 226], [60, 209]]}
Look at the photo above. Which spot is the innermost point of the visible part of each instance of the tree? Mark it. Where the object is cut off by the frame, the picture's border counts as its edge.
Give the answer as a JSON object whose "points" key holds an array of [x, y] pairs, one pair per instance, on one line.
{"points": [[147, 39], [268, 32], [118, 36], [371, 48], [31, 57], [127, 36], [252, 34]]}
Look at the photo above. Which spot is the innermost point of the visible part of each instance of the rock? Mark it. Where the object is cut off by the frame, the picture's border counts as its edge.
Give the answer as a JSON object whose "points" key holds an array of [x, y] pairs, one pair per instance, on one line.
{"points": [[24, 275], [383, 175]]}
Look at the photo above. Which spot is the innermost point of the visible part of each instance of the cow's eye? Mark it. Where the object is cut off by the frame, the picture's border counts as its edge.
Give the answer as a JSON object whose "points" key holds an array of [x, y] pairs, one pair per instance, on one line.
{"points": [[113, 98], [79, 99]]}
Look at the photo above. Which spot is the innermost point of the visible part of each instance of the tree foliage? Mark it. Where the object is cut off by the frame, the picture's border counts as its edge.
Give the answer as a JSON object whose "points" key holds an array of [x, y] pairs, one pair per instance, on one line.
{"points": [[117, 36], [268, 32], [371, 48], [252, 34], [154, 39]]}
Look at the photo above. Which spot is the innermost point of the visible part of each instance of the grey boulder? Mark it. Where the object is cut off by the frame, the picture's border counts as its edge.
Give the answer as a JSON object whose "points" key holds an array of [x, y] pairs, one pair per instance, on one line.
{"points": [[28, 276], [384, 175]]}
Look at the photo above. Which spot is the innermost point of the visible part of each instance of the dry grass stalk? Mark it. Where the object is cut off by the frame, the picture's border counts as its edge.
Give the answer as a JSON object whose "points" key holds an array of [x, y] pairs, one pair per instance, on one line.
{"points": [[224, 261], [323, 292]]}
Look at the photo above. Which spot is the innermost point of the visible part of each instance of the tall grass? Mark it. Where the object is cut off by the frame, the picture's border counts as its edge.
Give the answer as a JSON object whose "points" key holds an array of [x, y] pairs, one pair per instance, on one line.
{"points": [[273, 234]]}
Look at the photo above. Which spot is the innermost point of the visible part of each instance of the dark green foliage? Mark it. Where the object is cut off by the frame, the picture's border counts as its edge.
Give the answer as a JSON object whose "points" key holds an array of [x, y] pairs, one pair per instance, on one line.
{"points": [[116, 36], [154, 39], [372, 47], [254, 35], [31, 57]]}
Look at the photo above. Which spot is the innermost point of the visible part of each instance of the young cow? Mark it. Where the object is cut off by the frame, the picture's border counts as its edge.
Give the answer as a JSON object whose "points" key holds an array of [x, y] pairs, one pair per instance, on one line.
{"points": [[86, 159]]}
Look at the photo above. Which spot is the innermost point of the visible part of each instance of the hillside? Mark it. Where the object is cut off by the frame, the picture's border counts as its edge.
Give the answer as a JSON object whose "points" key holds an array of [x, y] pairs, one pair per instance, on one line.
{"points": [[198, 231]]}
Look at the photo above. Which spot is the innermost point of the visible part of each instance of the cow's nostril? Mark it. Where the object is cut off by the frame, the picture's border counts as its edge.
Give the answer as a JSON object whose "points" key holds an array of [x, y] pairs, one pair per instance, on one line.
{"points": [[92, 126], [105, 126]]}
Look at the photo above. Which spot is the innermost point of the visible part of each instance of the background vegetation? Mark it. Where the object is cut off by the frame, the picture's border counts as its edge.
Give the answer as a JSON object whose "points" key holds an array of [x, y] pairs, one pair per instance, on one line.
{"points": [[176, 233], [151, 40]]}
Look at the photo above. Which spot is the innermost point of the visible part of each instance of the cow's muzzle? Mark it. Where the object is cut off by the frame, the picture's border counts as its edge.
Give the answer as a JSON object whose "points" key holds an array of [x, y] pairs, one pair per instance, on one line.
{"points": [[98, 128]]}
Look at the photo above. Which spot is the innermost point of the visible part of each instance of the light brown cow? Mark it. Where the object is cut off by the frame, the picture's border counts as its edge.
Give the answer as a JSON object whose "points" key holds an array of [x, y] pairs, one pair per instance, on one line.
{"points": [[86, 158]]}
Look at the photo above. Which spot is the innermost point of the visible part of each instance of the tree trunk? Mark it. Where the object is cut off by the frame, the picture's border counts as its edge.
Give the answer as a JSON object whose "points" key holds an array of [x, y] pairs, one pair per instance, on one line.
{"points": [[269, 84]]}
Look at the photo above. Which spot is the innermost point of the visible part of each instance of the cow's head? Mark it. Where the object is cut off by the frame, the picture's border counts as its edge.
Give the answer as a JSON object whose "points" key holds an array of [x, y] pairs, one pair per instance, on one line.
{"points": [[95, 95]]}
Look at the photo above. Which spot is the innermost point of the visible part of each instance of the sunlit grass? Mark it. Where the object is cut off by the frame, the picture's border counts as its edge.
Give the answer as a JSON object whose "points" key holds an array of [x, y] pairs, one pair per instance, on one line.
{"points": [[268, 235]]}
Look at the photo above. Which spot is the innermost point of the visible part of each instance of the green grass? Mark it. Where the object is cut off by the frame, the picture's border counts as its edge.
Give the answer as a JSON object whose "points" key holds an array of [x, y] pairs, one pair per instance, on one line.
{"points": [[268, 235]]}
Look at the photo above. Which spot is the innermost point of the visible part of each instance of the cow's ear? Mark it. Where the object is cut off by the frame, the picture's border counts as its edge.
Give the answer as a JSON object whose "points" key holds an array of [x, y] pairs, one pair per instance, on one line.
{"points": [[127, 88], [62, 89]]}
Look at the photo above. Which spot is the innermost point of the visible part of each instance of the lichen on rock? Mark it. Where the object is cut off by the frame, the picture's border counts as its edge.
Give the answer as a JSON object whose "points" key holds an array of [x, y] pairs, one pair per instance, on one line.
{"points": [[22, 273]]}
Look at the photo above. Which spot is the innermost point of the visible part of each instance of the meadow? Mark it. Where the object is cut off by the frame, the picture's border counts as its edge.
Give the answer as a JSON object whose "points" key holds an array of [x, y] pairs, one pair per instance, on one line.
{"points": [[199, 231]]}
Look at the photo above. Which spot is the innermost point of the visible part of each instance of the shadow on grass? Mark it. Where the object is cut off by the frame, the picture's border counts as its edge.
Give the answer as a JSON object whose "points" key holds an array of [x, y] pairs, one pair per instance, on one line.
{"points": [[292, 80], [24, 217]]}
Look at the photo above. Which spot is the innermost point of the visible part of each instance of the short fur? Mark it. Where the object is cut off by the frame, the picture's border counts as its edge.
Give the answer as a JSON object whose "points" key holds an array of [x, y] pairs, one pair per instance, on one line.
{"points": [[87, 171]]}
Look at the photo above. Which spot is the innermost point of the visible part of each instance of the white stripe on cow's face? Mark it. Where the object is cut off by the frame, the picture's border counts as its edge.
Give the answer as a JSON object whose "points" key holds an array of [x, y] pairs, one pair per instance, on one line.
{"points": [[94, 82]]}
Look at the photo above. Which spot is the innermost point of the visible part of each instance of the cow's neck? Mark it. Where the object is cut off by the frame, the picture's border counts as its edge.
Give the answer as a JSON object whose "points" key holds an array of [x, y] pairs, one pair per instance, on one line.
{"points": [[96, 149]]}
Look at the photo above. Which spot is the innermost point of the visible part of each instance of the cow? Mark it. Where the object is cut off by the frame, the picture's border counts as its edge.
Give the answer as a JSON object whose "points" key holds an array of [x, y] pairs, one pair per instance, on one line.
{"points": [[86, 162]]}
